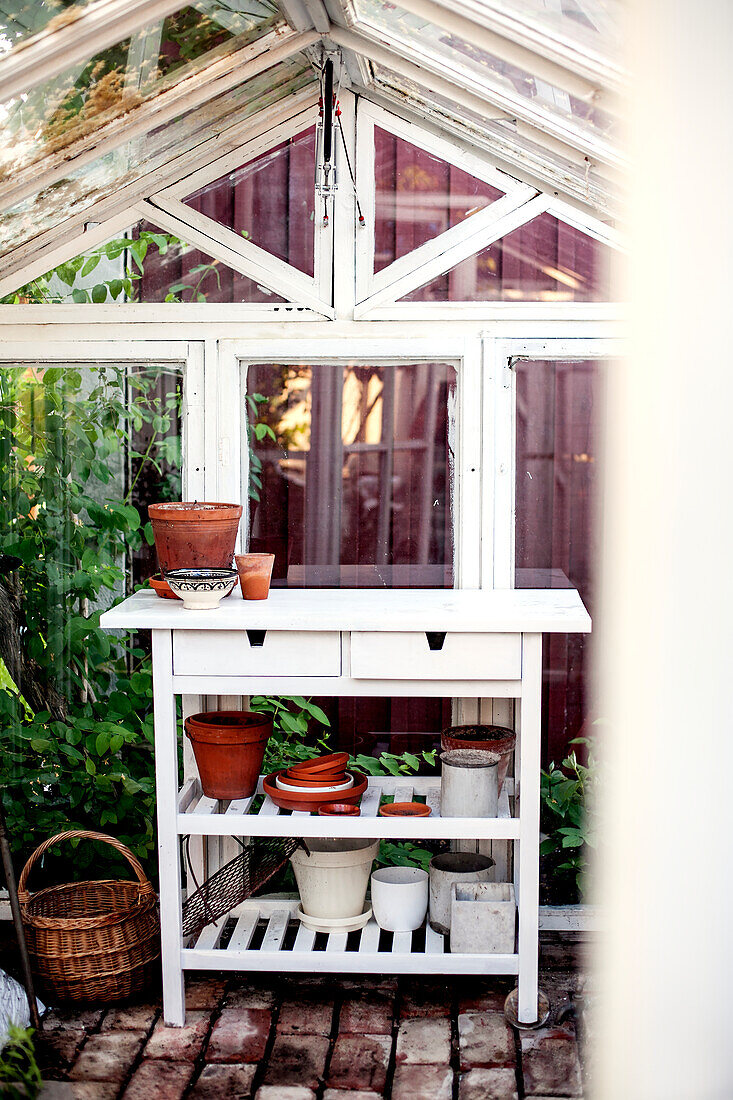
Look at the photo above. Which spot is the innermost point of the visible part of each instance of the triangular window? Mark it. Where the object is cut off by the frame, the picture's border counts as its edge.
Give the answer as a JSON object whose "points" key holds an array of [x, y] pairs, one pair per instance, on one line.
{"points": [[542, 261], [142, 264], [269, 201], [418, 196]]}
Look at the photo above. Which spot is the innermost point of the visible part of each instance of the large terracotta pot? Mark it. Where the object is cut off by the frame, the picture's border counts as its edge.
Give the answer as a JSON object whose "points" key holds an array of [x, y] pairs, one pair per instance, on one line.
{"points": [[195, 534], [229, 746], [498, 739]]}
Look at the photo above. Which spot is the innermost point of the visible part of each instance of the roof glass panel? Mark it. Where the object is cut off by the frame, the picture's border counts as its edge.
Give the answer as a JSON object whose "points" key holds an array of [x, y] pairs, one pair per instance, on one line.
{"points": [[419, 38], [143, 264], [545, 260], [92, 93], [418, 196], [21, 19], [594, 23], [131, 162], [269, 200]]}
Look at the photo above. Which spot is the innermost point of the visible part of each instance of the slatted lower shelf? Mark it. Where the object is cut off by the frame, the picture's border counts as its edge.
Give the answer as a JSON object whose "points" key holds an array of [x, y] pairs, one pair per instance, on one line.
{"points": [[270, 937], [259, 816]]}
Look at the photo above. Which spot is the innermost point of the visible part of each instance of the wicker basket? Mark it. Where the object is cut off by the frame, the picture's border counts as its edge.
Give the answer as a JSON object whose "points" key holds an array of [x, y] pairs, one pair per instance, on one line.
{"points": [[91, 941]]}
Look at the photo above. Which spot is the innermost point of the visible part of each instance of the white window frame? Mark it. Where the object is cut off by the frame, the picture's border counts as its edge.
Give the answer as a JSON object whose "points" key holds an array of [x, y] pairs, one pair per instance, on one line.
{"points": [[234, 355]]}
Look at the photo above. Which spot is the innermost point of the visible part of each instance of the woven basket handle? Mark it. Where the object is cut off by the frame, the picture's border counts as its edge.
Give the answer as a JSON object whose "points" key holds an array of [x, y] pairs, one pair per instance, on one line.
{"points": [[145, 884]]}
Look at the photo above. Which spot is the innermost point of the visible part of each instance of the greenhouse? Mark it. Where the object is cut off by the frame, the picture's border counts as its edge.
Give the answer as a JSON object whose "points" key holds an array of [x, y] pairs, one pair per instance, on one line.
{"points": [[312, 324]]}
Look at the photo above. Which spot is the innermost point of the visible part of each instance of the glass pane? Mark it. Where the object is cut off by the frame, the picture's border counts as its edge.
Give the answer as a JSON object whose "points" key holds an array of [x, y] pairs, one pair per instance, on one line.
{"points": [[83, 450], [457, 54], [354, 491], [594, 23], [545, 260], [89, 94], [21, 19], [418, 196], [84, 186], [143, 264], [557, 539], [269, 201]]}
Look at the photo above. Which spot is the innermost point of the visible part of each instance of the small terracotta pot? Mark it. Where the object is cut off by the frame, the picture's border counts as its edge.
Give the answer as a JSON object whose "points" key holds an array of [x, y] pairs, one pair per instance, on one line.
{"points": [[255, 571], [405, 809], [229, 746], [498, 739], [162, 589], [338, 809], [192, 535]]}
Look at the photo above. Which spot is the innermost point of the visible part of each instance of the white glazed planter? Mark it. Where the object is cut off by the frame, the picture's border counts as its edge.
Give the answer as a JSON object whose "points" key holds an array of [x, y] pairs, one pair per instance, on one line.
{"points": [[446, 869], [400, 898], [332, 880], [483, 916]]}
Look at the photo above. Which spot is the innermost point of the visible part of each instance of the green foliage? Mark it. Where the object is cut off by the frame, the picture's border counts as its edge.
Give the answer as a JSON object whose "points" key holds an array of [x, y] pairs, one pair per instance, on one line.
{"points": [[390, 763], [64, 281], [291, 719], [85, 760], [568, 816], [403, 854], [20, 1077]]}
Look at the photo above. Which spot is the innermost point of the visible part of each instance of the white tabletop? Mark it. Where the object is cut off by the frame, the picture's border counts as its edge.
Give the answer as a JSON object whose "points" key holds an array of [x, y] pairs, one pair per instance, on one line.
{"points": [[555, 610]]}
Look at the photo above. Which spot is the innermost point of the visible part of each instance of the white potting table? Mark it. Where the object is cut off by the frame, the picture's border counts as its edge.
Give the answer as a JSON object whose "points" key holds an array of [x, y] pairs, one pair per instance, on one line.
{"points": [[442, 643]]}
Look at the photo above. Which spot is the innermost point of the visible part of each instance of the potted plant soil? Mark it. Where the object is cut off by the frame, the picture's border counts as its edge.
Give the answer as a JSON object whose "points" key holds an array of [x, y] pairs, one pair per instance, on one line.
{"points": [[229, 746], [498, 739], [190, 534]]}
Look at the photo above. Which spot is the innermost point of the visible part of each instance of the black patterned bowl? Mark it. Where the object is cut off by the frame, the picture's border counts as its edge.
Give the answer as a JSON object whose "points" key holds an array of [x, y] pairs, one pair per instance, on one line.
{"points": [[201, 589]]}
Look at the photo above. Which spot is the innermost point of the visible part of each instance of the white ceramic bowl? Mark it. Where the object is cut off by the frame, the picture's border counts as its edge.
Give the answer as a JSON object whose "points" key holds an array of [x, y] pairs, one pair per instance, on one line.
{"points": [[400, 898], [201, 589], [283, 785]]}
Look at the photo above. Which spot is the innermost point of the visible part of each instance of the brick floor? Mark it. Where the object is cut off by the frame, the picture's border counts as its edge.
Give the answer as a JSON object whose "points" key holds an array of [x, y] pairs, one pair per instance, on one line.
{"points": [[320, 1037]]}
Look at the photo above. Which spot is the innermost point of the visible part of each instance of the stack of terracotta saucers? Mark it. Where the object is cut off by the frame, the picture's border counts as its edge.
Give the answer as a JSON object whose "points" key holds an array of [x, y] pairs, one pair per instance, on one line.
{"points": [[311, 783]]}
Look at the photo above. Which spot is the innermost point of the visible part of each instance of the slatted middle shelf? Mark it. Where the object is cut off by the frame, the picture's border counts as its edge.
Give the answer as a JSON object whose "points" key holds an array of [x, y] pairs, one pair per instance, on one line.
{"points": [[267, 935], [259, 816]]}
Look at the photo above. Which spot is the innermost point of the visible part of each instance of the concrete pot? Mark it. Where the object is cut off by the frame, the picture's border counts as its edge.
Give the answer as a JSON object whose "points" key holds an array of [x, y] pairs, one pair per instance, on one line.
{"points": [[195, 535], [332, 880], [445, 870], [483, 916], [498, 739], [400, 898], [469, 783]]}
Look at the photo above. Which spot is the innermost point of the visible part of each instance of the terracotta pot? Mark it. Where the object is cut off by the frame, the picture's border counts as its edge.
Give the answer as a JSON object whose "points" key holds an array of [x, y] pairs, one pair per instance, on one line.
{"points": [[162, 589], [338, 809], [229, 746], [308, 800], [255, 571], [404, 809], [195, 535], [498, 739], [314, 784]]}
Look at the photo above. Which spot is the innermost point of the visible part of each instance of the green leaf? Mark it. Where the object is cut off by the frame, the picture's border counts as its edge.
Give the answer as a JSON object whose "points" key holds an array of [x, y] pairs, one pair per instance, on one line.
{"points": [[102, 743], [79, 296], [99, 293], [91, 263], [90, 766]]}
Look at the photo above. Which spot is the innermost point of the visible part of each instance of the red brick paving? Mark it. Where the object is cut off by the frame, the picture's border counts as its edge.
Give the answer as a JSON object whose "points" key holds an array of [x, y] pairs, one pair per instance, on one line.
{"points": [[277, 1037]]}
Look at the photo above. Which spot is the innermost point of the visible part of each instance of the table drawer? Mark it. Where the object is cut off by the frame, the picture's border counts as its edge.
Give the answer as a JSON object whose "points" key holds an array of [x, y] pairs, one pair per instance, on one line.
{"points": [[435, 656], [256, 653]]}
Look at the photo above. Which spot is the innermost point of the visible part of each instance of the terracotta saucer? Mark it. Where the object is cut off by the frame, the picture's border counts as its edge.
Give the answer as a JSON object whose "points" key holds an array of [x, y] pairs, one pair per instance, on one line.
{"points": [[338, 809], [308, 801], [332, 761], [405, 809]]}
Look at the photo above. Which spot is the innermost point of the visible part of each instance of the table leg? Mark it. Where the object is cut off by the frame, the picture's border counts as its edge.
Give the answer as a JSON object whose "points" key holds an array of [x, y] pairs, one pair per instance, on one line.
{"points": [[169, 866], [529, 842]]}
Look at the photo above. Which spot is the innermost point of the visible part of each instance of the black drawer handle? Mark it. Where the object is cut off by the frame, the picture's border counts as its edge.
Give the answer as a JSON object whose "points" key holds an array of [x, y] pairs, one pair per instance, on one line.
{"points": [[256, 638], [435, 638]]}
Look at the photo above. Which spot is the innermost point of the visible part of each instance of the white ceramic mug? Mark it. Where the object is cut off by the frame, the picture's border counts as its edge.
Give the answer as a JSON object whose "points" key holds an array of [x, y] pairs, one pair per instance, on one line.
{"points": [[400, 898]]}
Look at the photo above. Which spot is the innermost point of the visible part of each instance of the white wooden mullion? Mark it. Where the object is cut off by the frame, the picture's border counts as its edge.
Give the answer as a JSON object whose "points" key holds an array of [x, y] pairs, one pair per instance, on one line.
{"points": [[436, 258], [366, 186], [467, 480], [239, 254], [348, 236]]}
